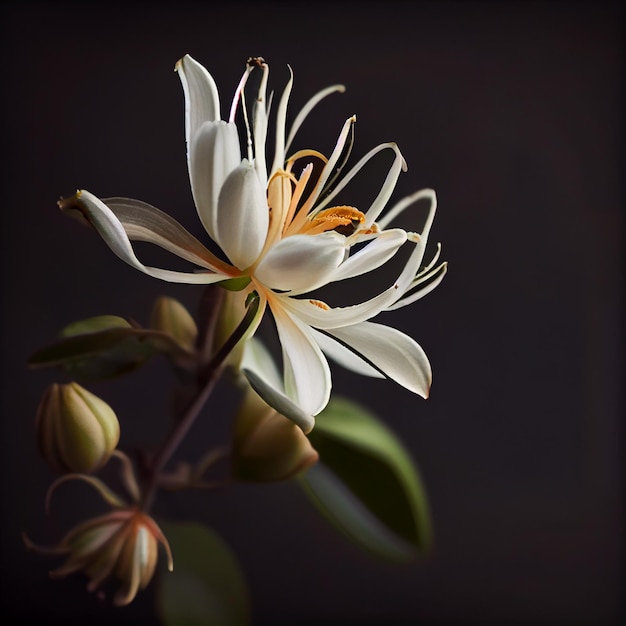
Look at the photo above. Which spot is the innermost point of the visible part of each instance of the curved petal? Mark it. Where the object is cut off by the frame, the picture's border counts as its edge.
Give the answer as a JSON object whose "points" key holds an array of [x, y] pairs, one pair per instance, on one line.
{"points": [[329, 170], [398, 165], [438, 273], [259, 368], [102, 218], [307, 108], [343, 356], [162, 539], [405, 203], [318, 315], [213, 155], [242, 216], [129, 567], [395, 354], [415, 260], [306, 371], [372, 256], [301, 263], [276, 398], [281, 119], [143, 222], [257, 358], [261, 109], [202, 102]]}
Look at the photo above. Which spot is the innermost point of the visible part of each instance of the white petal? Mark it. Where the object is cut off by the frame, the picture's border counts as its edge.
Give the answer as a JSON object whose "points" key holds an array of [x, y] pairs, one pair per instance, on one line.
{"points": [[143, 222], [386, 190], [307, 108], [214, 154], [260, 128], [259, 368], [281, 117], [395, 354], [277, 399], [415, 260], [301, 263], [371, 256], [398, 165], [343, 356], [257, 358], [329, 169], [242, 216], [405, 203], [306, 371], [112, 231], [202, 103], [438, 273], [321, 317]]}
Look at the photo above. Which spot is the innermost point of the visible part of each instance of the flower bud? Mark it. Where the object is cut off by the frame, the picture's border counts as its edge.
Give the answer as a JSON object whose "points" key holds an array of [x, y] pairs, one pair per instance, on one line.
{"points": [[171, 317], [76, 430], [267, 446], [122, 544]]}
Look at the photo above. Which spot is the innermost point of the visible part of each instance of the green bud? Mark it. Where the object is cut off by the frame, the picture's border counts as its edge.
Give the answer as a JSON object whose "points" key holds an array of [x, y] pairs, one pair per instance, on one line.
{"points": [[171, 317], [76, 430], [267, 446]]}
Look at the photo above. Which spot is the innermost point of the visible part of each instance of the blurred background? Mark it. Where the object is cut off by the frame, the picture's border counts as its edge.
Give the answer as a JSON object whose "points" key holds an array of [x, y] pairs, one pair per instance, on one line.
{"points": [[512, 111]]}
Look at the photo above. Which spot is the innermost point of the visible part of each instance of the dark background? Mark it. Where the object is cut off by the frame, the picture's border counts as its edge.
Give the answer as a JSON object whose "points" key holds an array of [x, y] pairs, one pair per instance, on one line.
{"points": [[512, 112]]}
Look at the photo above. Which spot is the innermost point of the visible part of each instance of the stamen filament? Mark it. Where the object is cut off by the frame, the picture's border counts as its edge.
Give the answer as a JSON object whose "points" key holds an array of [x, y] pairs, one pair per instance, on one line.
{"points": [[302, 154], [239, 93], [247, 123], [296, 195]]}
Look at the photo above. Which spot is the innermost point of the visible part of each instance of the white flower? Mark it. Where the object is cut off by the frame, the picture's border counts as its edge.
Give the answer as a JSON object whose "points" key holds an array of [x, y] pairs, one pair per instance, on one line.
{"points": [[278, 228]]}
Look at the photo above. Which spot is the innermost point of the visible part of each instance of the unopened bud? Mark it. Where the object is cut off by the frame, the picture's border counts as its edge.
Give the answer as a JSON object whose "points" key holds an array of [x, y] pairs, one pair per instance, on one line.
{"points": [[267, 446], [76, 430], [171, 317]]}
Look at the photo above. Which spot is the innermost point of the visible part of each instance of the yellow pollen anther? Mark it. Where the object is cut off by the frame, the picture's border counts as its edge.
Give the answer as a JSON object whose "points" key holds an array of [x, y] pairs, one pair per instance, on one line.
{"points": [[343, 219], [320, 304]]}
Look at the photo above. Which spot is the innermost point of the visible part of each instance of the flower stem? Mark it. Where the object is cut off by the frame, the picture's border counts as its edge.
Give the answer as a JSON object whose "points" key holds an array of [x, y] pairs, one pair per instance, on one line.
{"points": [[211, 375]]}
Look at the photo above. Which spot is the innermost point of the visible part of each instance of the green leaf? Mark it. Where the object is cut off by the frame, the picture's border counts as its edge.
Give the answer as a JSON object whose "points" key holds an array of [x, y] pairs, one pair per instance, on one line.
{"points": [[367, 484], [207, 585], [93, 325], [102, 348]]}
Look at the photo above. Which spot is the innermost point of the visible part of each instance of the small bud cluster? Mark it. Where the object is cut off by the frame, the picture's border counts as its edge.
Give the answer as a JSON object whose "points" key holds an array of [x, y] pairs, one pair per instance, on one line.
{"points": [[78, 432]]}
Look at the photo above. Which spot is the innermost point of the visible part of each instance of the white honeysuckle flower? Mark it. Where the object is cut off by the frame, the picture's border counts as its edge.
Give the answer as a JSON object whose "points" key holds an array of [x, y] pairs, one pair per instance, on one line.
{"points": [[280, 231]]}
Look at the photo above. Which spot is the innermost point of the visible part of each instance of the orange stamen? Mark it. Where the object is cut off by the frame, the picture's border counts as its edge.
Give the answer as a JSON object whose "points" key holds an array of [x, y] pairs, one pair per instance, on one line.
{"points": [[344, 219], [320, 304]]}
